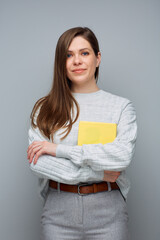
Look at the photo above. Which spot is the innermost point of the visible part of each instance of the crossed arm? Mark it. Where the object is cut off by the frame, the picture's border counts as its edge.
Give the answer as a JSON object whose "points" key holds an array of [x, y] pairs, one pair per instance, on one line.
{"points": [[44, 163], [89, 161]]}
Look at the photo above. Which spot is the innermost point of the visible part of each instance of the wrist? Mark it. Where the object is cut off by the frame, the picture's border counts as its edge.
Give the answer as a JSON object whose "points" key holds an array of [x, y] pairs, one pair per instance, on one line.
{"points": [[63, 150]]}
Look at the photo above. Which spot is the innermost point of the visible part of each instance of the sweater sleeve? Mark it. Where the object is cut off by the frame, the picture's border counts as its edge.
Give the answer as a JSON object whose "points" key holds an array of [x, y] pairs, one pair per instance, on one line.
{"points": [[60, 169], [114, 156]]}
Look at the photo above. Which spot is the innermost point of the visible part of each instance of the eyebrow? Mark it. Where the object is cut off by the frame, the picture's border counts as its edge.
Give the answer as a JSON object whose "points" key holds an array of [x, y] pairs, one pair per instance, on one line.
{"points": [[80, 49]]}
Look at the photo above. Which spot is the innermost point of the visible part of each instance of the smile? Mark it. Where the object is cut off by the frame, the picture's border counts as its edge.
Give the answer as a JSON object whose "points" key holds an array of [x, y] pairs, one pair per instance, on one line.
{"points": [[78, 70]]}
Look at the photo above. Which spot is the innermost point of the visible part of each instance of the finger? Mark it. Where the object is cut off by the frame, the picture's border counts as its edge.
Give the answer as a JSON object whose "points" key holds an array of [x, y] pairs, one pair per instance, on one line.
{"points": [[111, 173], [30, 146], [32, 149], [33, 144], [34, 152], [35, 159], [38, 154], [110, 178]]}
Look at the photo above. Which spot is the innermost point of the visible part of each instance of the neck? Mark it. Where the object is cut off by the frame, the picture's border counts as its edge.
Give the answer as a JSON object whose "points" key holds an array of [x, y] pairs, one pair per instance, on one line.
{"points": [[85, 89]]}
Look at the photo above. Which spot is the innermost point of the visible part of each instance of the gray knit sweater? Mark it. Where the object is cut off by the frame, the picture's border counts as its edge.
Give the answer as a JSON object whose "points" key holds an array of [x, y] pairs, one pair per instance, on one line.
{"points": [[75, 164]]}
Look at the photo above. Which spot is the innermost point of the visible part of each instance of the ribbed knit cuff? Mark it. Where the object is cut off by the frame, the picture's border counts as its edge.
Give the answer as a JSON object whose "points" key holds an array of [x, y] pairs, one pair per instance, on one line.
{"points": [[63, 150]]}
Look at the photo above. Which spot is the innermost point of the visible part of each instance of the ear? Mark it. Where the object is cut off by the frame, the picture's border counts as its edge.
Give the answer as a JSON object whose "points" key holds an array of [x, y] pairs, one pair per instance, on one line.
{"points": [[98, 59]]}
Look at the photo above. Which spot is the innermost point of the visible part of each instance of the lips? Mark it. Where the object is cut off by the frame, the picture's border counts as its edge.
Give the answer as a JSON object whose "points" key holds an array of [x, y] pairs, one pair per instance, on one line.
{"points": [[79, 70]]}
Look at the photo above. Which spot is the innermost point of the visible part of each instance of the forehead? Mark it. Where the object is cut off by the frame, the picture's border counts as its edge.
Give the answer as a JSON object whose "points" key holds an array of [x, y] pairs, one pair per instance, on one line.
{"points": [[79, 43]]}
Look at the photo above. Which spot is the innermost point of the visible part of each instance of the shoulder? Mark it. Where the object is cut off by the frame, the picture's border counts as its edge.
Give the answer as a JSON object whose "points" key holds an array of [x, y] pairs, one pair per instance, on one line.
{"points": [[37, 109], [115, 100], [36, 115]]}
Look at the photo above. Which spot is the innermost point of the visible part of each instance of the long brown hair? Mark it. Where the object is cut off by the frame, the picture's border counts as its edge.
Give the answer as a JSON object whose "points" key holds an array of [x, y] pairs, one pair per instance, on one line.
{"points": [[54, 110]]}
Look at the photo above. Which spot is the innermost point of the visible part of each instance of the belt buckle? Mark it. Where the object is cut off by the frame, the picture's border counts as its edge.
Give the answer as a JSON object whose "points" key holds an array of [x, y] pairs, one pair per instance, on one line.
{"points": [[83, 184]]}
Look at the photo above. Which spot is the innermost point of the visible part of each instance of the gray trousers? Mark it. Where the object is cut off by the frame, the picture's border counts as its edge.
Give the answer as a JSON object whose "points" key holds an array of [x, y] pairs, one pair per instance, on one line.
{"points": [[96, 216]]}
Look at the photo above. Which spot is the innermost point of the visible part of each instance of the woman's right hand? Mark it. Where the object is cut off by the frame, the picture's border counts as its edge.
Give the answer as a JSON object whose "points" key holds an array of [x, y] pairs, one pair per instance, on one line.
{"points": [[110, 176]]}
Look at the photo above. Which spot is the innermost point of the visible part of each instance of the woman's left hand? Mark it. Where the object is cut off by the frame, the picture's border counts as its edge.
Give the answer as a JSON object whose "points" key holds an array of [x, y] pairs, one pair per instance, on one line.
{"points": [[39, 148]]}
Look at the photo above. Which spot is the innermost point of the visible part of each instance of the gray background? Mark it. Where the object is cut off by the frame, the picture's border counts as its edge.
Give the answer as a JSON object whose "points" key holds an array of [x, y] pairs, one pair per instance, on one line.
{"points": [[129, 36]]}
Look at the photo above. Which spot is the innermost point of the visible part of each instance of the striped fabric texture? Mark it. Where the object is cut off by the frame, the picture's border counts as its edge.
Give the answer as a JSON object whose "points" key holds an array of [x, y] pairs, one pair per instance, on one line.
{"points": [[75, 164]]}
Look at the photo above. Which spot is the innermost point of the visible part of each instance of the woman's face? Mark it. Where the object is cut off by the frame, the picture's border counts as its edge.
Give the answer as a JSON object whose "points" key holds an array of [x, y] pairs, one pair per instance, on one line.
{"points": [[81, 61]]}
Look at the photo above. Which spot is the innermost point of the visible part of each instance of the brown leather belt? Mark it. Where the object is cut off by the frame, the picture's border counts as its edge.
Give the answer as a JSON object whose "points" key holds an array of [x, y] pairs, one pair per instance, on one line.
{"points": [[84, 188]]}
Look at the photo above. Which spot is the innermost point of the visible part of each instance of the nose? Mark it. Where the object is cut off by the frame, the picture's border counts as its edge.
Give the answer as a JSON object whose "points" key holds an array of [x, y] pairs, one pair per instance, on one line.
{"points": [[77, 59]]}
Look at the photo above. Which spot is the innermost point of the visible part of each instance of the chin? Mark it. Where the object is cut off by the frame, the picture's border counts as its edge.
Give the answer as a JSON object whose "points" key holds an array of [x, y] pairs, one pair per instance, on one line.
{"points": [[79, 80]]}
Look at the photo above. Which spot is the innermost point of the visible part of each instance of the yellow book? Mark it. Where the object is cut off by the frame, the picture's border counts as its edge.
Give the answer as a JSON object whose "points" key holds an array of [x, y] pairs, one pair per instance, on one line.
{"points": [[96, 132]]}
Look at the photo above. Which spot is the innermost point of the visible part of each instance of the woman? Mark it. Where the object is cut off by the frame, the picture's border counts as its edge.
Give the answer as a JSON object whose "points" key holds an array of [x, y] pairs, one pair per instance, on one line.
{"points": [[72, 209]]}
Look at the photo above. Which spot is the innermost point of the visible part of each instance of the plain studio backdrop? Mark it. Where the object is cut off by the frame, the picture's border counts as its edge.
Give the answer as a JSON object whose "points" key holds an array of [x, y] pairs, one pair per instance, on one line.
{"points": [[129, 36]]}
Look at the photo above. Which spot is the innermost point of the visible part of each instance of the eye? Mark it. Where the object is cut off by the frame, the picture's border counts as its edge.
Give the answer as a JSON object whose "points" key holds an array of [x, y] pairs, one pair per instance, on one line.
{"points": [[85, 53], [69, 55]]}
